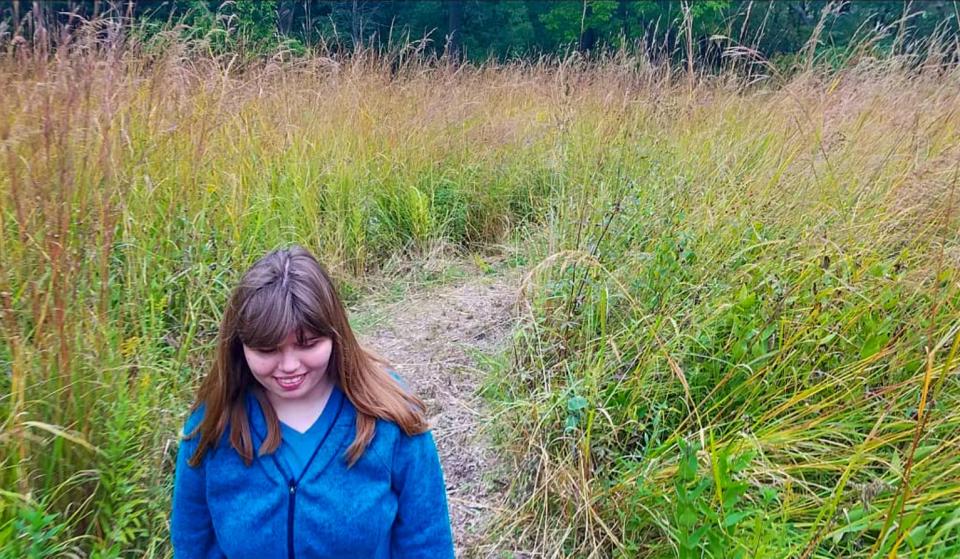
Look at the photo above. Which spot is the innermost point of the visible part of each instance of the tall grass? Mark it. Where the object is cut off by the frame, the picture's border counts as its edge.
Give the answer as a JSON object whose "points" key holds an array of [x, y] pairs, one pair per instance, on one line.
{"points": [[139, 179], [742, 319], [741, 339]]}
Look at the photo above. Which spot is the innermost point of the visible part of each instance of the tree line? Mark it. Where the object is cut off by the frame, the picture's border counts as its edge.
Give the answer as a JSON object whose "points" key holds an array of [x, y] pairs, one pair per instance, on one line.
{"points": [[480, 29]]}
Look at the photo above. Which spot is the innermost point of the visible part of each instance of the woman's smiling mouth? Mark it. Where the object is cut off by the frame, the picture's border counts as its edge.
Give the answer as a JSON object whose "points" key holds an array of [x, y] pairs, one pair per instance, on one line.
{"points": [[290, 383]]}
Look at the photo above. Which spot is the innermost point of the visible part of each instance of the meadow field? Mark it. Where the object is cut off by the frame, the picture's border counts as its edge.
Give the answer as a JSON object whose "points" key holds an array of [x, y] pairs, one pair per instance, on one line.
{"points": [[740, 310]]}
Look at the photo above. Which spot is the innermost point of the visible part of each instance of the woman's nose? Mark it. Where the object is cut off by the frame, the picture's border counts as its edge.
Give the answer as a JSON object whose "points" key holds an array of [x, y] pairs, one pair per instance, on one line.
{"points": [[289, 362]]}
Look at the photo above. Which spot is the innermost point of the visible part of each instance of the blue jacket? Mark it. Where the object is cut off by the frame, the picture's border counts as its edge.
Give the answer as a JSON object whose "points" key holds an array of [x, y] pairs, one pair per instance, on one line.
{"points": [[390, 504]]}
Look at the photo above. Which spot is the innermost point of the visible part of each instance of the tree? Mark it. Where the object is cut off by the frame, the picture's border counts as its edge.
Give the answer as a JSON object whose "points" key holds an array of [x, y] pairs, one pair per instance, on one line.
{"points": [[507, 28], [454, 29]]}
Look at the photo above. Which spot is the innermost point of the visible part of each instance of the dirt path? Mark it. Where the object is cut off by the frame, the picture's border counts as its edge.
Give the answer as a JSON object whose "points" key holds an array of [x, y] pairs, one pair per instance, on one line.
{"points": [[431, 338]]}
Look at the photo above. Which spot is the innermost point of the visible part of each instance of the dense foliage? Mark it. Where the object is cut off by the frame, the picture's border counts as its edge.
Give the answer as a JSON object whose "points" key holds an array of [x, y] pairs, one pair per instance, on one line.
{"points": [[505, 28]]}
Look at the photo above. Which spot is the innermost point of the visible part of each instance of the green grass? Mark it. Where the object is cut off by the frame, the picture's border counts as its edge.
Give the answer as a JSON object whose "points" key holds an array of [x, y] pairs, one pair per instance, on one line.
{"points": [[741, 318], [734, 323]]}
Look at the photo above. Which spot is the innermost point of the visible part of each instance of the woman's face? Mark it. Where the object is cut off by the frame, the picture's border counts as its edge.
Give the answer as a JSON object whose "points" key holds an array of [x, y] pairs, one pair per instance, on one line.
{"points": [[292, 371]]}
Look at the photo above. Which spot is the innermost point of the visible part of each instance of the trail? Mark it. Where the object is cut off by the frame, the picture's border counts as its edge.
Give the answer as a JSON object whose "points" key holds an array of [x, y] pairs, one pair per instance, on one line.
{"points": [[432, 338]]}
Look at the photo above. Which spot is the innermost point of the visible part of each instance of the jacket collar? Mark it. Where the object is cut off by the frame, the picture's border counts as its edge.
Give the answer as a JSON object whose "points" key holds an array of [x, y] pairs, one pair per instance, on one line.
{"points": [[331, 446]]}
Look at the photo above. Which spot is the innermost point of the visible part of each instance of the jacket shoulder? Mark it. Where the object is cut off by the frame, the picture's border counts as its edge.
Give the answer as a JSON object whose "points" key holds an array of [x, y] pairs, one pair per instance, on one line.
{"points": [[193, 420]]}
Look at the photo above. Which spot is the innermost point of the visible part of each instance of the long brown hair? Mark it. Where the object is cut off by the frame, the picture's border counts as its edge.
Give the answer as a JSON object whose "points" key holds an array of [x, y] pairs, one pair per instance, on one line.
{"points": [[289, 290]]}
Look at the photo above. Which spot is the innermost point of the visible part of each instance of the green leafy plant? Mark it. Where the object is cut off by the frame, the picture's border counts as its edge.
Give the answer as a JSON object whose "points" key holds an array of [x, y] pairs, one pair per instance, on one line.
{"points": [[709, 512]]}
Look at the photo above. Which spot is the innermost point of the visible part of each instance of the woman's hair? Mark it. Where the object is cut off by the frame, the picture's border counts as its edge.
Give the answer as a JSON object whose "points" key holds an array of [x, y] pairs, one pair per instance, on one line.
{"points": [[288, 290]]}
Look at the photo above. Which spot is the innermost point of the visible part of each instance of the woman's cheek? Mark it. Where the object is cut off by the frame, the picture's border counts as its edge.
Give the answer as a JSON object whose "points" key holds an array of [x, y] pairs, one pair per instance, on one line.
{"points": [[319, 358], [258, 365]]}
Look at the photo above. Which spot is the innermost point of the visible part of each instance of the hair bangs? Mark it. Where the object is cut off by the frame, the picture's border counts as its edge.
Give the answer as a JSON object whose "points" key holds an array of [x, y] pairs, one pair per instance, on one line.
{"points": [[317, 318], [268, 316], [271, 313]]}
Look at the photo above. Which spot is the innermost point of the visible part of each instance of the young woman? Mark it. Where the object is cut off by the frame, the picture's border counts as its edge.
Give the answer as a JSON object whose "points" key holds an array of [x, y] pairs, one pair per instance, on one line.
{"points": [[300, 442]]}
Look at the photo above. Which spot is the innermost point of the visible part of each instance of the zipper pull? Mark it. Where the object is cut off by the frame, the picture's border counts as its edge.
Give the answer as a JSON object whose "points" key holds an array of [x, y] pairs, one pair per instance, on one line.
{"points": [[293, 488]]}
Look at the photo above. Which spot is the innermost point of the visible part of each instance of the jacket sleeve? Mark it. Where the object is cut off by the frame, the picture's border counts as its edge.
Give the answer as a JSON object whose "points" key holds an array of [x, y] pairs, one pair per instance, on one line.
{"points": [[191, 527], [422, 525]]}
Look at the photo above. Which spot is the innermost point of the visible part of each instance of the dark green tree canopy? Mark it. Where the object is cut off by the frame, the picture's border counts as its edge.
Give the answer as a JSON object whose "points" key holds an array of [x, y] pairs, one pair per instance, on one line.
{"points": [[479, 29]]}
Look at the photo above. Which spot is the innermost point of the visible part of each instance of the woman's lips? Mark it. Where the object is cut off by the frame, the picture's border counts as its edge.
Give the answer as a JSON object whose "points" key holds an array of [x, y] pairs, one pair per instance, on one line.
{"points": [[291, 382]]}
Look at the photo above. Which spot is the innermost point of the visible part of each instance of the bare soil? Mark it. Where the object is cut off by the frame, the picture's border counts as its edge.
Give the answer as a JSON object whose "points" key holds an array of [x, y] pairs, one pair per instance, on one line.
{"points": [[433, 338]]}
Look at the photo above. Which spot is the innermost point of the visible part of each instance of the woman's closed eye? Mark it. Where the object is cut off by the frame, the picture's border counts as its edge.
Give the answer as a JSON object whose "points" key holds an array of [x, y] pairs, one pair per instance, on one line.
{"points": [[307, 344]]}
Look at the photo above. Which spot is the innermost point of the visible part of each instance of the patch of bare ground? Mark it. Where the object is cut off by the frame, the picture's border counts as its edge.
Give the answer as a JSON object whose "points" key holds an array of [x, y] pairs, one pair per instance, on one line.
{"points": [[432, 337]]}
